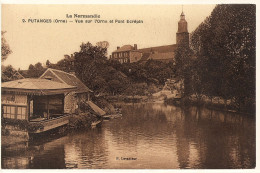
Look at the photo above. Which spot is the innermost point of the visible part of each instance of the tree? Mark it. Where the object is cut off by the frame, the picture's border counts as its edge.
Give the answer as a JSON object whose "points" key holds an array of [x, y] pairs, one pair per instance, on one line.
{"points": [[103, 44], [90, 62], [35, 71], [7, 73], [64, 65], [183, 66], [224, 45], [5, 48], [115, 86]]}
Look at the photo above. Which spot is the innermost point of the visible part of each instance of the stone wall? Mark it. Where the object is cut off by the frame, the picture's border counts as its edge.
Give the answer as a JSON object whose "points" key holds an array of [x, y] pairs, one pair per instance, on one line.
{"points": [[70, 103]]}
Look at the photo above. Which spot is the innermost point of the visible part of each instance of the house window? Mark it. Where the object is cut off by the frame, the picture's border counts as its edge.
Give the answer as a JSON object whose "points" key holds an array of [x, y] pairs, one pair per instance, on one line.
{"points": [[6, 112], [14, 112], [9, 111], [21, 113]]}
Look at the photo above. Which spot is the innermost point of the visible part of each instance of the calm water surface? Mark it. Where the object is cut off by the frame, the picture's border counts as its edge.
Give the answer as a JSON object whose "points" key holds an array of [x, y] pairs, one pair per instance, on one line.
{"points": [[156, 135]]}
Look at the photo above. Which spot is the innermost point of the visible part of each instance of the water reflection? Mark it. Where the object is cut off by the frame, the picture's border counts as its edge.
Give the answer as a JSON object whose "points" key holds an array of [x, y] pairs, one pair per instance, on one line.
{"points": [[86, 149], [157, 135]]}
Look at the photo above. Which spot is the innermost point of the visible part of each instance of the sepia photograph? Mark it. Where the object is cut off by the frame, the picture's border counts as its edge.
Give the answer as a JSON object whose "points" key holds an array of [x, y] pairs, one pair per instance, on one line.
{"points": [[128, 86]]}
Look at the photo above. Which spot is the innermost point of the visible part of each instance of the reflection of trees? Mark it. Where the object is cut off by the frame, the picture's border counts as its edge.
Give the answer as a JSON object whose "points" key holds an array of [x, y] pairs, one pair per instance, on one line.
{"points": [[78, 150], [15, 163], [218, 136], [139, 122], [11, 155], [204, 138], [34, 154], [50, 155], [86, 149]]}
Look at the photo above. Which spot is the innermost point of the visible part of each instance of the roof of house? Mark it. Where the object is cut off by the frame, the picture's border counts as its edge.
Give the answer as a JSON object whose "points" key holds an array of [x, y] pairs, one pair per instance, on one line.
{"points": [[124, 48], [145, 57], [36, 87], [162, 56], [67, 78], [24, 73], [160, 49], [17, 75]]}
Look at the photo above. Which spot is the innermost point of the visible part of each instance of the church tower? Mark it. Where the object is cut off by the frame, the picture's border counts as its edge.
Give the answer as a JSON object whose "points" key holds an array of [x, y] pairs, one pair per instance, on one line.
{"points": [[182, 35]]}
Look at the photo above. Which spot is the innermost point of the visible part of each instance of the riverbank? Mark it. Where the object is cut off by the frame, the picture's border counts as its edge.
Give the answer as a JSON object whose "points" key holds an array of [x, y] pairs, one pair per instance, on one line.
{"points": [[127, 98], [215, 103]]}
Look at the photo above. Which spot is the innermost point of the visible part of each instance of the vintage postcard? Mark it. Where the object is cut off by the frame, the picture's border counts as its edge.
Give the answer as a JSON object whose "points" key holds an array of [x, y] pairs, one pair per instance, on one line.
{"points": [[128, 86]]}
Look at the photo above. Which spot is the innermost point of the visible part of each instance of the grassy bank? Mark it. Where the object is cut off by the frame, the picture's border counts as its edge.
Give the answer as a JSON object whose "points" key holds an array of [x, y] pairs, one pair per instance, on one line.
{"points": [[216, 103], [125, 98]]}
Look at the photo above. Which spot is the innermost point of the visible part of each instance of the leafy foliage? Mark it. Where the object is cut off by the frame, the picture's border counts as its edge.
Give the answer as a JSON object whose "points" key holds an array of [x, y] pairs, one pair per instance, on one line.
{"points": [[5, 48], [224, 47], [7, 73], [35, 71], [109, 76]]}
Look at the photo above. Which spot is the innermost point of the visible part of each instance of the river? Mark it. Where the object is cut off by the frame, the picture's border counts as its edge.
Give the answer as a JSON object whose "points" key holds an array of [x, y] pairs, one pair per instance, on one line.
{"points": [[148, 135]]}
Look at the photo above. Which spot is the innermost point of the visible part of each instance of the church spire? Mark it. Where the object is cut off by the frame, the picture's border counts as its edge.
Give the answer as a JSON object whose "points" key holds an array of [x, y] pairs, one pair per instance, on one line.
{"points": [[182, 34], [182, 24], [182, 17], [182, 14]]}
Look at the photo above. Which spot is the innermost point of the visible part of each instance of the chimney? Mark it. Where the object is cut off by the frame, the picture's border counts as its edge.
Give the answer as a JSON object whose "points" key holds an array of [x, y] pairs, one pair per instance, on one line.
{"points": [[117, 47], [135, 46], [66, 56]]}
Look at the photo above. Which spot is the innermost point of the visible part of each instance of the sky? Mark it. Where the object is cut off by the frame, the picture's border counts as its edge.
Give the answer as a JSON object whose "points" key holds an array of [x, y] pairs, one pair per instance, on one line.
{"points": [[38, 42]]}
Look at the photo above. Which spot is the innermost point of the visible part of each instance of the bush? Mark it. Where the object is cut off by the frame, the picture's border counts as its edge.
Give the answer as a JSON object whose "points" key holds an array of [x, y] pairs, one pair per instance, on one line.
{"points": [[82, 120]]}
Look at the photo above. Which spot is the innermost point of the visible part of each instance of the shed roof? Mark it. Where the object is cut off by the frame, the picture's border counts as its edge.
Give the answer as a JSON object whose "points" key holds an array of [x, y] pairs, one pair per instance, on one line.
{"points": [[36, 87], [67, 78], [17, 75], [95, 108]]}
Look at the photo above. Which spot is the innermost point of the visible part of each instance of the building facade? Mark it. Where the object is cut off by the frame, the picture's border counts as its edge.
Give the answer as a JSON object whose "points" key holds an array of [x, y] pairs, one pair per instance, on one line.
{"points": [[122, 54], [165, 53]]}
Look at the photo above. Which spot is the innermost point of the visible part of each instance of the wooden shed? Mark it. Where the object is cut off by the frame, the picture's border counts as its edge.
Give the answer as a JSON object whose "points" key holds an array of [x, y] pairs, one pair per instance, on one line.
{"points": [[36, 100], [72, 99]]}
